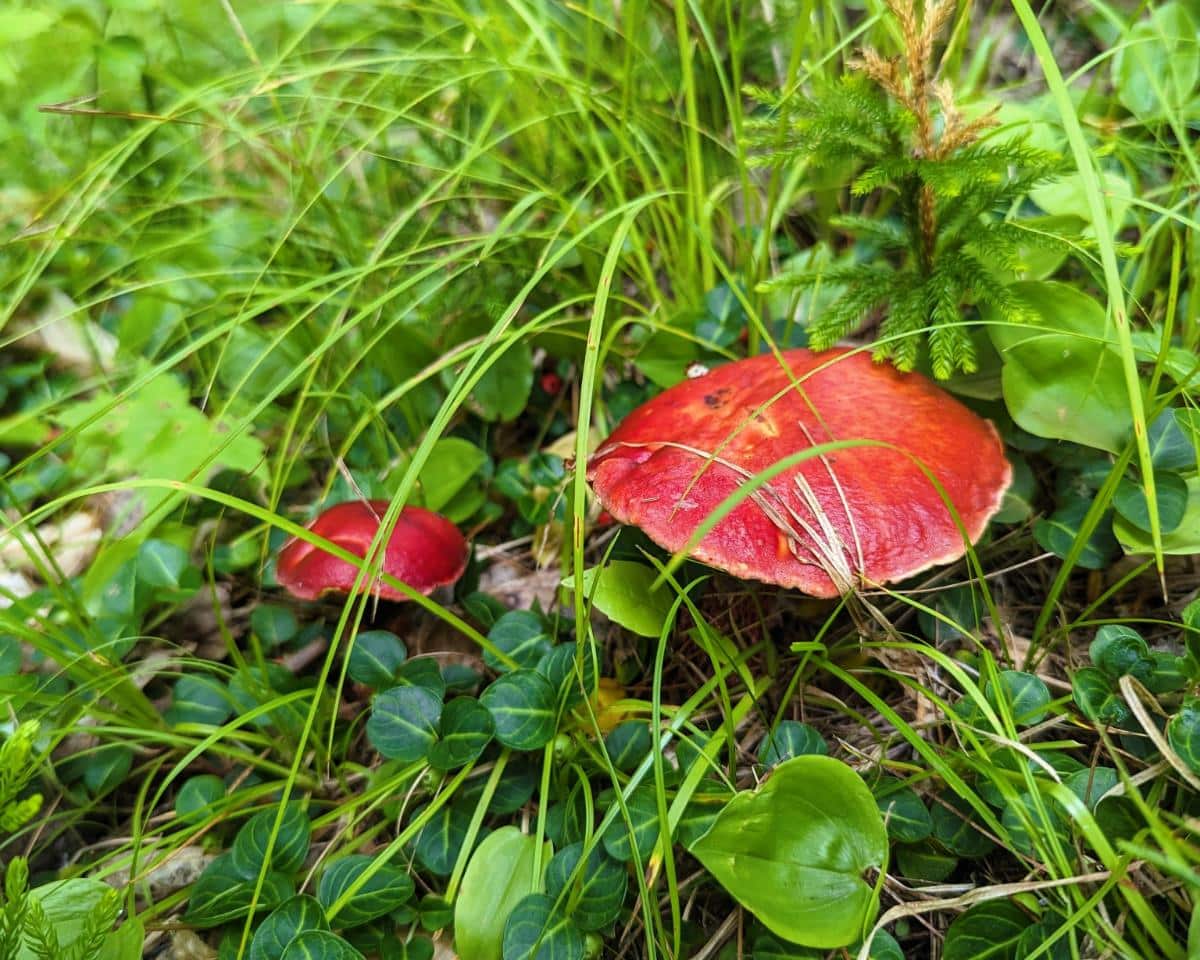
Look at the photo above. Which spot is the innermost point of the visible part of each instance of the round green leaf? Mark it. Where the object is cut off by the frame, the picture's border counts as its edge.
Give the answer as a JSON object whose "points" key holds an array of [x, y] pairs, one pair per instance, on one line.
{"points": [[404, 723], [1170, 446], [1118, 650], [1025, 696], [375, 658], [1157, 64], [1184, 540], [796, 852], [466, 728], [537, 931], [558, 667], [1170, 493], [221, 894], [160, 564], [1183, 734], [885, 947], [250, 846], [1096, 699], [522, 635], [1092, 784], [199, 699], [597, 886], [619, 841], [621, 590], [1058, 533], [199, 797], [387, 888], [297, 915], [522, 705], [628, 743], [498, 875], [273, 625], [1024, 822], [319, 945], [437, 844], [953, 829], [924, 861], [990, 930], [906, 816], [790, 739], [422, 672]]}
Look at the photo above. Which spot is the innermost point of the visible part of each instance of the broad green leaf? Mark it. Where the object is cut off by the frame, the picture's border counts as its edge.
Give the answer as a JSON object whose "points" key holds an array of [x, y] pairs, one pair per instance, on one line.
{"points": [[287, 854], [106, 768], [404, 722], [790, 739], [1067, 197], [1182, 541], [1092, 784], [375, 657], [536, 930], [422, 672], [621, 591], [1157, 63], [522, 635], [1018, 498], [959, 615], [199, 699], [885, 947], [297, 915], [68, 905], [1171, 448], [503, 391], [987, 931], [559, 668], [797, 851], [1025, 824], [498, 875], [905, 815], [451, 464], [924, 861], [522, 705], [465, 730], [1025, 696], [1062, 371], [1183, 734], [388, 888], [1171, 493], [319, 945], [596, 888], [1034, 939]]}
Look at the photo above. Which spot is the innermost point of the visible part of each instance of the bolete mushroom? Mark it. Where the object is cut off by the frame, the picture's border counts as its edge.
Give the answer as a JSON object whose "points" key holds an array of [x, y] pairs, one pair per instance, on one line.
{"points": [[851, 517], [425, 551]]}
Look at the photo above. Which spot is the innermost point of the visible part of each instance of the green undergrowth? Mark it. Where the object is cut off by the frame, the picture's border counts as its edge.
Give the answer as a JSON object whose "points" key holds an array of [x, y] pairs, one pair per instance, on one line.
{"points": [[264, 258]]}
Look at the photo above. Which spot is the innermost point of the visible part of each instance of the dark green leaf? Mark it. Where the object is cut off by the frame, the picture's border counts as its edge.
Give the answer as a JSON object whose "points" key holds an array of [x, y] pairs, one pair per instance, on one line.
{"points": [[796, 852], [537, 931], [1026, 823], [106, 768], [558, 667], [885, 947], [198, 798], [503, 391], [1170, 493], [522, 705], [1171, 673], [643, 815], [1058, 533], [1096, 699], [1036, 936], [790, 739], [1170, 446], [375, 658], [221, 894], [594, 891], [924, 861], [319, 945], [199, 699], [988, 930], [404, 722], [1019, 497], [287, 854], [422, 672], [1118, 650], [1025, 696], [628, 743], [953, 828], [498, 875], [1092, 784], [522, 635], [437, 844], [161, 564], [388, 887], [435, 913], [466, 728], [956, 605], [1183, 734], [297, 915], [906, 817], [273, 625]]}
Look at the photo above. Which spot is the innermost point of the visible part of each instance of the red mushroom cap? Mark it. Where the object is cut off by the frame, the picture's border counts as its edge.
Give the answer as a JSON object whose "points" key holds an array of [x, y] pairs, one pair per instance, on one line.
{"points": [[424, 551], [855, 516]]}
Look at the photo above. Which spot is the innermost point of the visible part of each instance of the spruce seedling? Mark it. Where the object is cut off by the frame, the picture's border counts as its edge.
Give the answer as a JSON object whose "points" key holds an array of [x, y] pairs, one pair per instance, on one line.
{"points": [[947, 242]]}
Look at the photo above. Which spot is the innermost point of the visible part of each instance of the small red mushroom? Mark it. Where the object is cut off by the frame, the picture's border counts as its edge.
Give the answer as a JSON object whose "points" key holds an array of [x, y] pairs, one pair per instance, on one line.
{"points": [[857, 516], [425, 551]]}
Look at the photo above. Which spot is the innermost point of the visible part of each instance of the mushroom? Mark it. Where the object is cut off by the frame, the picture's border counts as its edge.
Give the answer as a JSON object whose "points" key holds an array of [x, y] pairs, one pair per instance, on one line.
{"points": [[425, 551], [854, 516]]}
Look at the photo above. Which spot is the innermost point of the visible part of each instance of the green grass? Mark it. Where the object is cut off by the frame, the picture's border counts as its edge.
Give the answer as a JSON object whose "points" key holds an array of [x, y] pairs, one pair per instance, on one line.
{"points": [[324, 239]]}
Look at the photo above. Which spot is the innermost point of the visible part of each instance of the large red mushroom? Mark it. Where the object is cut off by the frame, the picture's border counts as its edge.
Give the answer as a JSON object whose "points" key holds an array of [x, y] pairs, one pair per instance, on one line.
{"points": [[850, 518], [425, 551]]}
